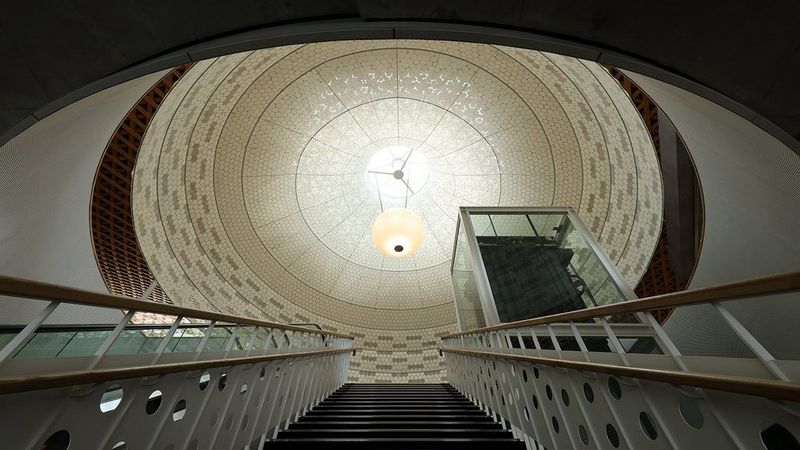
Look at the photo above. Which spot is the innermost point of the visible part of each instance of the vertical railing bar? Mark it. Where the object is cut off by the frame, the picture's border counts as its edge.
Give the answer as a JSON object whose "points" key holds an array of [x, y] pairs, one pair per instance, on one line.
{"points": [[536, 341], [553, 339], [751, 342], [232, 339], [98, 355], [268, 383], [26, 333], [206, 337], [167, 337], [670, 346]]}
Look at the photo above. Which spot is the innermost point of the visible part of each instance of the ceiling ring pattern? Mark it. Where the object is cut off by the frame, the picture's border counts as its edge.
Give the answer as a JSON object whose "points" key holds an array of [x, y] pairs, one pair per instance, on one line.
{"points": [[237, 148]]}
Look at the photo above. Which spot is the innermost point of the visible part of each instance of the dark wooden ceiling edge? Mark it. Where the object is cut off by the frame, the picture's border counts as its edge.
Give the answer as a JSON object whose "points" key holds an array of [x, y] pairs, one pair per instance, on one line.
{"points": [[116, 249], [660, 277]]}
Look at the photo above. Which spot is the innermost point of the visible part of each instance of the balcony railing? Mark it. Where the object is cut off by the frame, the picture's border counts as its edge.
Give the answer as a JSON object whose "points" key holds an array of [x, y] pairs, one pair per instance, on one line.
{"points": [[201, 380], [567, 389]]}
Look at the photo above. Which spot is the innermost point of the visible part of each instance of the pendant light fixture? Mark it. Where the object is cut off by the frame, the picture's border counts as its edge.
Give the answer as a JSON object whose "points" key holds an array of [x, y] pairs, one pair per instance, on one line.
{"points": [[397, 232]]}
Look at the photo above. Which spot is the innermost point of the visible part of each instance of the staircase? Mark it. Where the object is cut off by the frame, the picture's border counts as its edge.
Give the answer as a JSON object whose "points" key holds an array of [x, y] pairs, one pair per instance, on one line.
{"points": [[396, 416]]}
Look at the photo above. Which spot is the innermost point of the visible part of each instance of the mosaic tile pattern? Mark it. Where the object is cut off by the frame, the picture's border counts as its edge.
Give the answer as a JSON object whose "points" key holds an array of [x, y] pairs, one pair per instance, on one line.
{"points": [[251, 194]]}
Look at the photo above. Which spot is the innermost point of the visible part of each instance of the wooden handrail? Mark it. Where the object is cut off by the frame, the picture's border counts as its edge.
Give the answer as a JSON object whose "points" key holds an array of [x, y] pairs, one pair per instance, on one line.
{"points": [[769, 285], [774, 389], [10, 385], [37, 290]]}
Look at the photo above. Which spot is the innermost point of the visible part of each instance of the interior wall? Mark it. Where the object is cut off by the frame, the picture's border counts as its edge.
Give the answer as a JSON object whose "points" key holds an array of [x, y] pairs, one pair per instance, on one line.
{"points": [[751, 185], [46, 176]]}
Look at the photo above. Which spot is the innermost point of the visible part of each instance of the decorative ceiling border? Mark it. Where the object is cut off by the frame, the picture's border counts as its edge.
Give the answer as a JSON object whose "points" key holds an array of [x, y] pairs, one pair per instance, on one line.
{"points": [[116, 249]]}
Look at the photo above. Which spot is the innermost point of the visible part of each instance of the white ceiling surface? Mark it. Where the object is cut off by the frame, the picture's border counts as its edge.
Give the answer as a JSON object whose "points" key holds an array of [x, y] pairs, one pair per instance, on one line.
{"points": [[752, 210], [251, 194], [46, 176]]}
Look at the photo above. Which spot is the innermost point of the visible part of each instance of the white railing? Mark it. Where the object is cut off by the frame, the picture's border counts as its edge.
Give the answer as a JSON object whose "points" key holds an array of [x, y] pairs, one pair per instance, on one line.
{"points": [[203, 380], [556, 387]]}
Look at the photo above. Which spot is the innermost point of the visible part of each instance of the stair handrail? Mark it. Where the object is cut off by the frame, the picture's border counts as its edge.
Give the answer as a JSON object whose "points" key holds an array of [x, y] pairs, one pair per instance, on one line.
{"points": [[761, 387], [37, 290], [753, 287], [14, 384]]}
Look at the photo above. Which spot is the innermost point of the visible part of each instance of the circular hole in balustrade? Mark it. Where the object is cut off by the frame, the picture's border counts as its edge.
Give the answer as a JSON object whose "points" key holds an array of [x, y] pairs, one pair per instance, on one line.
{"points": [[263, 372], [179, 411], [565, 397], [535, 372], [777, 437], [612, 435], [527, 416], [153, 402], [121, 445], [513, 371], [535, 401], [503, 400], [690, 412], [549, 392], [494, 365], [57, 441], [243, 389], [588, 392], [524, 376], [111, 398], [555, 424], [583, 434], [648, 427], [223, 381], [614, 388], [205, 379]]}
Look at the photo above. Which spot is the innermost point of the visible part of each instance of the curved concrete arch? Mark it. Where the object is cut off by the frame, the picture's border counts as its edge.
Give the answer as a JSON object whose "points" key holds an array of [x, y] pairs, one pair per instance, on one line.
{"points": [[685, 45]]}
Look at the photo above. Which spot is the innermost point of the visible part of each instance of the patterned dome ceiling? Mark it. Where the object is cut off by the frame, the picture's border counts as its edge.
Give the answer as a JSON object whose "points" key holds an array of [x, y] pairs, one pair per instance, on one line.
{"points": [[255, 192]]}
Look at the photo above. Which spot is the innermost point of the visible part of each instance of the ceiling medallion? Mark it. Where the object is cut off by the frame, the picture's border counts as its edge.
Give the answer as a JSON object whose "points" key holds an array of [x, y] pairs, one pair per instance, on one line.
{"points": [[396, 172]]}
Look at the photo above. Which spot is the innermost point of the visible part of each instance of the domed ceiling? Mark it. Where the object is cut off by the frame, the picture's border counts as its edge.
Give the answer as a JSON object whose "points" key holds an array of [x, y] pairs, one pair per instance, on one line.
{"points": [[261, 174]]}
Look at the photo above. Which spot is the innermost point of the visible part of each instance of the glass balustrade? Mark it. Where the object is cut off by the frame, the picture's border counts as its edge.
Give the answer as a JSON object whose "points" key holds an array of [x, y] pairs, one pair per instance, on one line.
{"points": [[61, 341]]}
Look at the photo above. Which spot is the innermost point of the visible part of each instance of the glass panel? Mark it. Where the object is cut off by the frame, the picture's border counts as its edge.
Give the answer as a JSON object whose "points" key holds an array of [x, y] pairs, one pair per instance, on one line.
{"points": [[5, 338], [537, 264], [130, 341], [85, 343], [186, 339], [470, 312], [45, 345], [219, 337]]}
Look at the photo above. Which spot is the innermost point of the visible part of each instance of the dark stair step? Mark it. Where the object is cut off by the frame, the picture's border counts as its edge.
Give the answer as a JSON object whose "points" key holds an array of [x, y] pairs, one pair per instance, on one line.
{"points": [[424, 417], [398, 443], [390, 416], [362, 403], [380, 406], [437, 433], [396, 424], [408, 411]]}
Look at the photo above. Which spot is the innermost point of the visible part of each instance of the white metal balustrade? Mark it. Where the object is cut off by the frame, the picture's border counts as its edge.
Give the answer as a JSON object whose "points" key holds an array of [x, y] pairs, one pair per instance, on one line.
{"points": [[205, 380], [556, 392]]}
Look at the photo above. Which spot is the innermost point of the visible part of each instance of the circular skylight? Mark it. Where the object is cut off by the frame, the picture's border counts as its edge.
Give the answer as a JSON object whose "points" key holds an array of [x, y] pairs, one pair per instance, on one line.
{"points": [[397, 171]]}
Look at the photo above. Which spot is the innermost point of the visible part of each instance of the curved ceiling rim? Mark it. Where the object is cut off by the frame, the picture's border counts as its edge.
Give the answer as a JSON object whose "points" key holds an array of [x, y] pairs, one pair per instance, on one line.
{"points": [[310, 31]]}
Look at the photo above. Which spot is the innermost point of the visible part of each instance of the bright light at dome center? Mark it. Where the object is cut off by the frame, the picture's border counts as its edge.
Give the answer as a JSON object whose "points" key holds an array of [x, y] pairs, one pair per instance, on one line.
{"points": [[392, 167]]}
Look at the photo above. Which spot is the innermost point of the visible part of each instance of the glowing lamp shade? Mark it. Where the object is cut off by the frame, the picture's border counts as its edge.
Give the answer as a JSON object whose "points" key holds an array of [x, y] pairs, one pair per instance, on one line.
{"points": [[398, 232]]}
